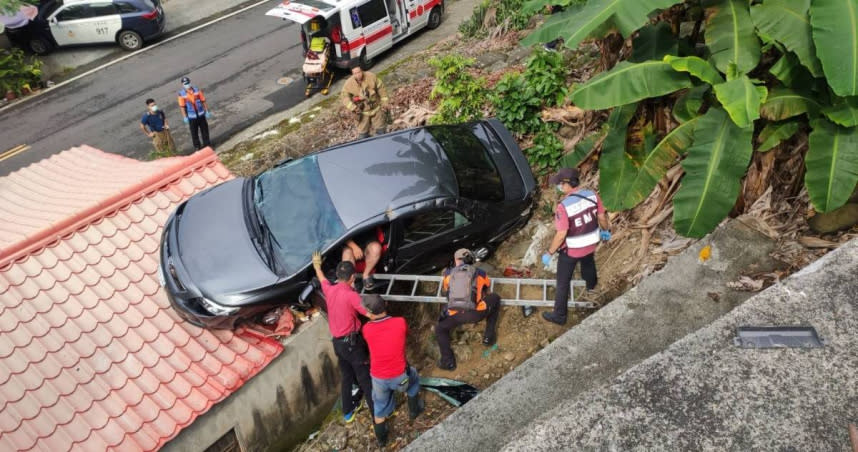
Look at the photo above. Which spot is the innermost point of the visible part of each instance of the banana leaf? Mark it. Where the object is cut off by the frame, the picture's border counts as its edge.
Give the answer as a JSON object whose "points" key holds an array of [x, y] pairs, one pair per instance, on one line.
{"points": [[597, 17], [843, 112], [783, 103], [789, 71], [835, 34], [775, 132], [832, 164], [714, 167], [654, 42], [730, 36], [615, 166], [697, 67], [787, 22], [628, 83], [741, 99], [689, 104]]}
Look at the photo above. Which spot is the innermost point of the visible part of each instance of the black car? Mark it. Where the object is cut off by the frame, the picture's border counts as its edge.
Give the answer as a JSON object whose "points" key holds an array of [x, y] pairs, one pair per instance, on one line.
{"points": [[244, 246]]}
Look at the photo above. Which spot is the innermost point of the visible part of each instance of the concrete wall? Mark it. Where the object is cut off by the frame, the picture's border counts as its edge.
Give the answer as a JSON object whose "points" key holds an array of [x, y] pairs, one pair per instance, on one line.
{"points": [[278, 407]]}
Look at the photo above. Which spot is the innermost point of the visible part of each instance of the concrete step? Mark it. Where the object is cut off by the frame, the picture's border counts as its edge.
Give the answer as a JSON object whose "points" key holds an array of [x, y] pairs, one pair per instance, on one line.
{"points": [[684, 296], [704, 393]]}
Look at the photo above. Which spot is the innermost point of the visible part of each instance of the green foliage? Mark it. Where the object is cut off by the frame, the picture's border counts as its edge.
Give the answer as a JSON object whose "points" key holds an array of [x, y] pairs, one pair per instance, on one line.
{"points": [[546, 151], [518, 98], [10, 7], [473, 26], [811, 50], [18, 71], [516, 104], [509, 14], [463, 96]]}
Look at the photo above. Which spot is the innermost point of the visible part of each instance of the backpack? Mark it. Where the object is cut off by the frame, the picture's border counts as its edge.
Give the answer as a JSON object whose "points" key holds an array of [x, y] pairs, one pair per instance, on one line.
{"points": [[462, 293]]}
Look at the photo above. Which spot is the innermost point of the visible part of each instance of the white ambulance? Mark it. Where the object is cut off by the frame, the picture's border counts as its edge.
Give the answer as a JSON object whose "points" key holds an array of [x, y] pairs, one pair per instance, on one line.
{"points": [[359, 30]]}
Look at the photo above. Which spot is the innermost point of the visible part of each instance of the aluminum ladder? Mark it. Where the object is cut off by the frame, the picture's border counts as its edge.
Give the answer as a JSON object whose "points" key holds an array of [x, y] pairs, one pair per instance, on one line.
{"points": [[410, 294]]}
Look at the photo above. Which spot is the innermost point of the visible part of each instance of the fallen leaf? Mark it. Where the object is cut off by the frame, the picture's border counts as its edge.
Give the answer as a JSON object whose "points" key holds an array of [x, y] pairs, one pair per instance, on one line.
{"points": [[705, 253], [816, 242]]}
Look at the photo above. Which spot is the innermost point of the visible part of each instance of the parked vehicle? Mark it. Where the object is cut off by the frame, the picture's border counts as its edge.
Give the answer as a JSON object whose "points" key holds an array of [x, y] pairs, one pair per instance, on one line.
{"points": [[245, 246], [61, 23], [360, 30]]}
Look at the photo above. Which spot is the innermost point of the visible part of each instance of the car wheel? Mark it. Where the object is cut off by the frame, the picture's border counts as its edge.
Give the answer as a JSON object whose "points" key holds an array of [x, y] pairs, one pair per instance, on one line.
{"points": [[434, 18], [365, 61], [130, 40], [40, 46]]}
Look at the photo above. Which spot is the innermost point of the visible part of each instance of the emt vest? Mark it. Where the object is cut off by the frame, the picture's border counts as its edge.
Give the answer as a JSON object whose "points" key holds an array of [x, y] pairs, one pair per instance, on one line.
{"points": [[582, 210], [192, 102]]}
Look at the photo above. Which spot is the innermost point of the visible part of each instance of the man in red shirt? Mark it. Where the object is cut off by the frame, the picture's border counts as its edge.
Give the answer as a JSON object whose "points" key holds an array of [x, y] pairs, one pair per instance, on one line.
{"points": [[389, 370], [577, 219], [344, 305]]}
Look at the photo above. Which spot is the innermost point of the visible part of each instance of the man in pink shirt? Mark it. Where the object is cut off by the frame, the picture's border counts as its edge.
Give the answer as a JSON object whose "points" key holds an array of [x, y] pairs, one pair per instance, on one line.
{"points": [[577, 219], [344, 305]]}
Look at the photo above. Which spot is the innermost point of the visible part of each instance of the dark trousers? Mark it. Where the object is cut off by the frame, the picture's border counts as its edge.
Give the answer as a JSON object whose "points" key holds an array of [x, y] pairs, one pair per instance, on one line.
{"points": [[354, 368], [448, 323], [199, 126], [565, 269]]}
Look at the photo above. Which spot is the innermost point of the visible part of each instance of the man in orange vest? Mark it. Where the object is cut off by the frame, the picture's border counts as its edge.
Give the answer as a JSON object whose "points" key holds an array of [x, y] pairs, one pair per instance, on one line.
{"points": [[192, 103]]}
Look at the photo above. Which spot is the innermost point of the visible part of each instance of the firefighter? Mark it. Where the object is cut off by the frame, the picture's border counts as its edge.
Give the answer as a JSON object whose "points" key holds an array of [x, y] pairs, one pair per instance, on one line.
{"points": [[364, 94]]}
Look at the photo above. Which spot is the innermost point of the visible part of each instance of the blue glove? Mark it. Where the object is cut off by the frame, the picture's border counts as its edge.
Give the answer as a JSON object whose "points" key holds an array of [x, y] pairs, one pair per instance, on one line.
{"points": [[209, 115], [605, 235], [546, 259], [185, 120]]}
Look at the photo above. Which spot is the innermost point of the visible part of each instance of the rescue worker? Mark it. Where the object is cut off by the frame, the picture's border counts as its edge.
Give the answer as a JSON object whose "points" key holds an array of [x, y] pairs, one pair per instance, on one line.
{"points": [[364, 247], [578, 219], [468, 301], [364, 94], [195, 113], [344, 305], [388, 367], [154, 124]]}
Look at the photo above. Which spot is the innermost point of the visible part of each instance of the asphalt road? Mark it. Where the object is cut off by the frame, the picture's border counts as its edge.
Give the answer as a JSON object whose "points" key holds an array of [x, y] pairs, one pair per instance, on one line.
{"points": [[236, 62]]}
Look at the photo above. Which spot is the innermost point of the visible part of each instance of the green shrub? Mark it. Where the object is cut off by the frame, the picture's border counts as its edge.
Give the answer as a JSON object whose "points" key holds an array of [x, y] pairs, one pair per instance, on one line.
{"points": [[474, 25], [463, 96], [516, 104], [546, 74], [16, 71], [546, 151]]}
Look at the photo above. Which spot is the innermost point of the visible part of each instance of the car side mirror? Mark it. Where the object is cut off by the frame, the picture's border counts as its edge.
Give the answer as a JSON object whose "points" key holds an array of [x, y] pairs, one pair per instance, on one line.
{"points": [[305, 294]]}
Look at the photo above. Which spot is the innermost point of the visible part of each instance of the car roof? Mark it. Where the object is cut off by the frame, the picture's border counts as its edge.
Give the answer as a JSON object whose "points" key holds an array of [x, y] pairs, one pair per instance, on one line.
{"points": [[368, 178]]}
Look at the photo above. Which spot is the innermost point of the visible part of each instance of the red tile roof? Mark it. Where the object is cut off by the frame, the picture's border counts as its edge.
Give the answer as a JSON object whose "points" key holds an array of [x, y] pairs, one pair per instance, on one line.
{"points": [[92, 356]]}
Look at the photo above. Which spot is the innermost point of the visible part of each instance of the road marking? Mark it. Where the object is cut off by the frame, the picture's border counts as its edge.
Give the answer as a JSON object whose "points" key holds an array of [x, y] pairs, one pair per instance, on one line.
{"points": [[144, 49], [14, 151]]}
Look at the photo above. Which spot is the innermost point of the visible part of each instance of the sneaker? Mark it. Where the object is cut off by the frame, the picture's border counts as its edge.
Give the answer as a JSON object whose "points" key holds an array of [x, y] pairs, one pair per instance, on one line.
{"points": [[489, 340], [551, 318], [527, 311], [368, 283], [447, 365], [350, 417]]}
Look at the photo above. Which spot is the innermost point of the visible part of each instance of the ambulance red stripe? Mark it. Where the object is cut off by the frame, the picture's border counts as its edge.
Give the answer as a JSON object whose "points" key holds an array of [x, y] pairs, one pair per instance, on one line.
{"points": [[360, 42], [426, 7]]}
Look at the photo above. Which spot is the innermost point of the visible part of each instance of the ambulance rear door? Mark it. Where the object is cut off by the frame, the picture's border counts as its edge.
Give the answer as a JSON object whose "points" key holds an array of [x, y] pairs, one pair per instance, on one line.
{"points": [[372, 18], [302, 12]]}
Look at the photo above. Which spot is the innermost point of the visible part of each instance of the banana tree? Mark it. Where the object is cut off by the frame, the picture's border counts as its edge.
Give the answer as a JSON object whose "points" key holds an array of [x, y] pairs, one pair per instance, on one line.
{"points": [[767, 70]]}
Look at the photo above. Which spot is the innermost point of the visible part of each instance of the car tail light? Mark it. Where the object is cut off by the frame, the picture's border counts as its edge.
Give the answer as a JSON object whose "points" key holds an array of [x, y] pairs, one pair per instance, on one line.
{"points": [[151, 15], [337, 35]]}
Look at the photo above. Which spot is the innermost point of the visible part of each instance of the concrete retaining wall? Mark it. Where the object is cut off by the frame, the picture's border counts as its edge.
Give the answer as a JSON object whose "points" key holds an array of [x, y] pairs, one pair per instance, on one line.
{"points": [[681, 298], [281, 405]]}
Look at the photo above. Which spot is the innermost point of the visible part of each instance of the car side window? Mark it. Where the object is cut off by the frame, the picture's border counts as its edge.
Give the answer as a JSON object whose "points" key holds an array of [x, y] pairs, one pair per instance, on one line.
{"points": [[425, 225], [103, 9], [372, 11], [74, 12], [125, 8]]}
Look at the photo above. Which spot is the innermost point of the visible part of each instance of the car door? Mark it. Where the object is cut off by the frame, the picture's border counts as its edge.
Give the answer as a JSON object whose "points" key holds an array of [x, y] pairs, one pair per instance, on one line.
{"points": [[377, 31], [426, 240], [69, 24], [105, 23]]}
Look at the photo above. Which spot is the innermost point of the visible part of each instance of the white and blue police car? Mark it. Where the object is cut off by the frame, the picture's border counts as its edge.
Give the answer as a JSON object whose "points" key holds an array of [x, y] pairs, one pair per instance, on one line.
{"points": [[60, 23]]}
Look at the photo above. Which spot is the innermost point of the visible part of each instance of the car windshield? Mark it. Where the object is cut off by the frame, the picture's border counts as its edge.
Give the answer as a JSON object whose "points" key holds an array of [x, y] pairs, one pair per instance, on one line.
{"points": [[297, 210]]}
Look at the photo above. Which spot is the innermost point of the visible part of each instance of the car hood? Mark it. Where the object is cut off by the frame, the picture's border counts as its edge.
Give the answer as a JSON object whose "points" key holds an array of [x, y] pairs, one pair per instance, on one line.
{"points": [[215, 248]]}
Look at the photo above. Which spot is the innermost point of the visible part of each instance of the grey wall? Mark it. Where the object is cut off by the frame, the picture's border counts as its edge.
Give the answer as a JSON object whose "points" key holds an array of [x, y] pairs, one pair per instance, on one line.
{"points": [[278, 407]]}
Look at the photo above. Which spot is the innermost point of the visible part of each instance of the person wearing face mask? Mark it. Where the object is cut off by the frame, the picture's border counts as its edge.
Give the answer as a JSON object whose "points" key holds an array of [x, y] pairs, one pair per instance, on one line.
{"points": [[195, 112], [154, 125], [578, 218]]}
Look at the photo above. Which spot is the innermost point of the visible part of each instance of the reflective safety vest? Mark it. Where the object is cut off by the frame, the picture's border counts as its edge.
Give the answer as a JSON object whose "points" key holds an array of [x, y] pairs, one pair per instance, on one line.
{"points": [[582, 210], [192, 102]]}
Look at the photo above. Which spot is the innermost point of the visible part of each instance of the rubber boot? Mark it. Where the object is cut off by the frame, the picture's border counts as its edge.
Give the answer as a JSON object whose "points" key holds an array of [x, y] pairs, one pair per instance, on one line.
{"points": [[415, 407], [381, 432]]}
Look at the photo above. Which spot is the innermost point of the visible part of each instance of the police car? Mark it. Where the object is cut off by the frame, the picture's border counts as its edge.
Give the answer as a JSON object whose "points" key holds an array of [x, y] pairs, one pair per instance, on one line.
{"points": [[59, 23]]}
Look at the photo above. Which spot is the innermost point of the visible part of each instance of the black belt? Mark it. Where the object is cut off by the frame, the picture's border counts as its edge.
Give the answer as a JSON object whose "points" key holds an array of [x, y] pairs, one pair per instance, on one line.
{"points": [[347, 336]]}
